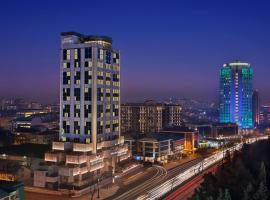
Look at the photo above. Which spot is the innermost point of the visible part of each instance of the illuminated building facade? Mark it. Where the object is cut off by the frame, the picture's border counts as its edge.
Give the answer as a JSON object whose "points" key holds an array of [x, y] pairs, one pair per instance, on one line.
{"points": [[89, 142], [149, 116], [236, 90]]}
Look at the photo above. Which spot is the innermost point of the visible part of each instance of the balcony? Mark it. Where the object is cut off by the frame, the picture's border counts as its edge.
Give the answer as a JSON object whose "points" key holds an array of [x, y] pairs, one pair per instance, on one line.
{"points": [[76, 159], [96, 166], [82, 147], [51, 157], [96, 162], [69, 171], [61, 146], [110, 143]]}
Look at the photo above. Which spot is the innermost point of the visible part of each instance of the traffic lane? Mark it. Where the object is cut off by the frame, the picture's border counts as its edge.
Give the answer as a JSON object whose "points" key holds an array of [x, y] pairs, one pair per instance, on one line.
{"points": [[134, 192]]}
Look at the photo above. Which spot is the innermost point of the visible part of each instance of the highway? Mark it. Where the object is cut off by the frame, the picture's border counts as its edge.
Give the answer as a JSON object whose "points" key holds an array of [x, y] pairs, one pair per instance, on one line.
{"points": [[158, 178]]}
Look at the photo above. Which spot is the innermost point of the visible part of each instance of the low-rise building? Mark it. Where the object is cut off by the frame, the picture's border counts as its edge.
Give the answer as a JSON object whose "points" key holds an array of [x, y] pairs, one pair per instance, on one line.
{"points": [[216, 130], [191, 136], [155, 147]]}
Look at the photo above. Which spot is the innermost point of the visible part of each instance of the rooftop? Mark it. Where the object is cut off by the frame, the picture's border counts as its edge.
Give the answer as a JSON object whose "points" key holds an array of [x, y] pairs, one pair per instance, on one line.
{"points": [[87, 38], [236, 63], [178, 129], [149, 103], [162, 136]]}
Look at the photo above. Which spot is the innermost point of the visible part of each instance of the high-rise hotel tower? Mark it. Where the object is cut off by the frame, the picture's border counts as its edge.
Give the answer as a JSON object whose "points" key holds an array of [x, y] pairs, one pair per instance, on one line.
{"points": [[89, 140], [236, 94], [90, 89]]}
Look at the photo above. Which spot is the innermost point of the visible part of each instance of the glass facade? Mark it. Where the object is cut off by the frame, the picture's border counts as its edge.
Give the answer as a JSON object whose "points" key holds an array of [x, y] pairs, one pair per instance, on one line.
{"points": [[236, 90]]}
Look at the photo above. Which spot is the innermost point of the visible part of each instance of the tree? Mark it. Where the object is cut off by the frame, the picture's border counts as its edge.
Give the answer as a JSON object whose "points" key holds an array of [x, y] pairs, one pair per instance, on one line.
{"points": [[262, 192], [227, 195], [248, 192], [220, 194], [262, 173], [197, 197]]}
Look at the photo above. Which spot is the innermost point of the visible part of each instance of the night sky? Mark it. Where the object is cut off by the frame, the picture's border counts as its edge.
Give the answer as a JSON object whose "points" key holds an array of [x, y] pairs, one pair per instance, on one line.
{"points": [[168, 48]]}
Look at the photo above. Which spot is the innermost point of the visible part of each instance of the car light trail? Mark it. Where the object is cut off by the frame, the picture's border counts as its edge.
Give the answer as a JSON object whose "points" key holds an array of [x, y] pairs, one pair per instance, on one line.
{"points": [[170, 184]]}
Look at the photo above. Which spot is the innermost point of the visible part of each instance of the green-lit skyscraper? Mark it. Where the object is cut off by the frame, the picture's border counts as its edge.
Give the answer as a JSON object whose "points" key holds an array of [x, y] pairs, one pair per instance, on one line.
{"points": [[236, 94]]}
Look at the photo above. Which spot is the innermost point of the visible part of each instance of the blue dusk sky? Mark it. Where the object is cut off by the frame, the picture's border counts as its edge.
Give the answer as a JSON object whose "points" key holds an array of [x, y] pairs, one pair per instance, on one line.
{"points": [[168, 48]]}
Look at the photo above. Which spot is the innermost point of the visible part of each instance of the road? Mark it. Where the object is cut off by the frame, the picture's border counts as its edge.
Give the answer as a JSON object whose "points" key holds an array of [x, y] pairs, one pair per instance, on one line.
{"points": [[143, 187], [186, 191], [160, 177], [180, 178]]}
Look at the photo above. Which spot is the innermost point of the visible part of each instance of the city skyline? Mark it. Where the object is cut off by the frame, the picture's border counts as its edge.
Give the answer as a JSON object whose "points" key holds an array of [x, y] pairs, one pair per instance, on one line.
{"points": [[125, 100], [162, 45]]}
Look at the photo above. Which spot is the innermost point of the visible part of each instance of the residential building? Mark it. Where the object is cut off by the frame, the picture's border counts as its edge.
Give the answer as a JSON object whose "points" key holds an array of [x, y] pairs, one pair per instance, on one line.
{"points": [[149, 116], [236, 94], [90, 145]]}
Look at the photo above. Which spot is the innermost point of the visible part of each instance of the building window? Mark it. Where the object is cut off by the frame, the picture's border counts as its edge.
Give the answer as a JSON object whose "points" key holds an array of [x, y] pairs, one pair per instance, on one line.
{"points": [[115, 127], [77, 94], [66, 54], [77, 54], [66, 127], [77, 64], [116, 110], [66, 78], [66, 94], [87, 128], [66, 110], [77, 110], [116, 77], [108, 57], [87, 94], [77, 78], [99, 94], [87, 111], [99, 111], [87, 77], [76, 127], [88, 53], [116, 58], [66, 65], [88, 64], [99, 128], [100, 54]]}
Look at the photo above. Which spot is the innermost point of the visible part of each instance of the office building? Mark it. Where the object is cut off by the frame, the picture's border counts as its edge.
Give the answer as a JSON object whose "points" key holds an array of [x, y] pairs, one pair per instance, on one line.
{"points": [[236, 94], [149, 116], [89, 143]]}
